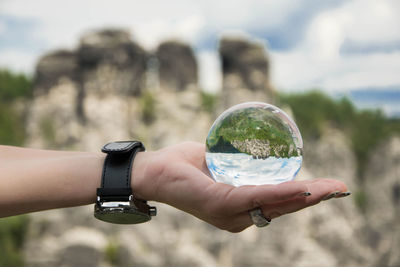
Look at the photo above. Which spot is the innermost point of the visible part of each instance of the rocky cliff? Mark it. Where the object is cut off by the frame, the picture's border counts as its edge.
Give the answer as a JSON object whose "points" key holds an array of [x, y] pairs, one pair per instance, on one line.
{"points": [[177, 66], [245, 70], [101, 92]]}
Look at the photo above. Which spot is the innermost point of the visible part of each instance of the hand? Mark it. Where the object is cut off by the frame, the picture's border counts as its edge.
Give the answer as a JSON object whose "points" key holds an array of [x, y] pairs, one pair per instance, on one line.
{"points": [[178, 176]]}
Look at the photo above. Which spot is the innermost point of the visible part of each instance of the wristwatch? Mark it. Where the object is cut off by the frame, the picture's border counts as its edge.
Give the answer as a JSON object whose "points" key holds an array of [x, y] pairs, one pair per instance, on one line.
{"points": [[116, 203]]}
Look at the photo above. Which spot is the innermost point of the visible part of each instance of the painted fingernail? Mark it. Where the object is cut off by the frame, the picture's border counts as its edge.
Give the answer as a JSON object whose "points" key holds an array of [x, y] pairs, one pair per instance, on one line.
{"points": [[343, 194], [331, 195], [305, 194]]}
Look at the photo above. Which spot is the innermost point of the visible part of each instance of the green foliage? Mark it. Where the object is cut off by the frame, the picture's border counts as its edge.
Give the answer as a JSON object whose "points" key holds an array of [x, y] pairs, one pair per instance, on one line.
{"points": [[13, 86], [208, 101], [12, 236], [368, 129], [148, 107], [314, 110], [111, 253], [12, 131]]}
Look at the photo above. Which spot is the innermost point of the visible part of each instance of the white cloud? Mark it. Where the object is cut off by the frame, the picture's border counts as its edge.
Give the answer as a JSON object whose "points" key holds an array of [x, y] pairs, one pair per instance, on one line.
{"points": [[315, 61], [362, 71], [257, 14], [373, 21], [3, 28], [62, 23], [188, 29], [17, 61], [210, 76]]}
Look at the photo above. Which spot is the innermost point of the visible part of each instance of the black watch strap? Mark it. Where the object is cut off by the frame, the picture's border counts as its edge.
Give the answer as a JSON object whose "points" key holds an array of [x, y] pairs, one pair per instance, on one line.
{"points": [[117, 169]]}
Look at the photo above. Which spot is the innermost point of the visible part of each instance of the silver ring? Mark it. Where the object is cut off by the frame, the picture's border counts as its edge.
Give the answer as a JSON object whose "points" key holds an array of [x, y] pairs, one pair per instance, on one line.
{"points": [[258, 218]]}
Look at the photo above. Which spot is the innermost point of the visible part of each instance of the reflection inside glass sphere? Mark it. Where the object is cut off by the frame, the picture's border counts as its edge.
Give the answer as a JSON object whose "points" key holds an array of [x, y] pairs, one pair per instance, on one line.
{"points": [[254, 143]]}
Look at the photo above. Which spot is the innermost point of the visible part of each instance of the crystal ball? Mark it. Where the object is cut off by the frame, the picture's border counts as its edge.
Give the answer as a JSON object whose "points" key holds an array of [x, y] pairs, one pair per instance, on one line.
{"points": [[254, 143]]}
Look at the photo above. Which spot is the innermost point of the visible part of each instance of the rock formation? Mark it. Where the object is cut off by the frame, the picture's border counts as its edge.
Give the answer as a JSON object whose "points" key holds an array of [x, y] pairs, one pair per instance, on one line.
{"points": [[331, 156], [97, 93], [245, 69], [53, 68], [177, 66], [53, 120], [382, 197], [112, 63], [98, 96], [113, 72]]}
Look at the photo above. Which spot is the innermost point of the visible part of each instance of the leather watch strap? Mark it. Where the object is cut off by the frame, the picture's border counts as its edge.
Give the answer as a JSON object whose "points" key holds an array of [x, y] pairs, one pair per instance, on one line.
{"points": [[117, 169]]}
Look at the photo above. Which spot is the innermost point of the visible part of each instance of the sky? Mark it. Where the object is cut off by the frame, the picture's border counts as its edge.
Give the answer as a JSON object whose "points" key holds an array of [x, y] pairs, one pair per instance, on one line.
{"points": [[333, 45]]}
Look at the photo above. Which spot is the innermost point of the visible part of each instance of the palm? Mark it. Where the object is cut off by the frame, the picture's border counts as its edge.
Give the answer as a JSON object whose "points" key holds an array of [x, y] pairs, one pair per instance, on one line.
{"points": [[185, 183]]}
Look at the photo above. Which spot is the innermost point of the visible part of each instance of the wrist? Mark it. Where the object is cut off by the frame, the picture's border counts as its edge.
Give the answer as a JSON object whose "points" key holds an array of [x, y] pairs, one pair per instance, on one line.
{"points": [[142, 177], [116, 201], [89, 166]]}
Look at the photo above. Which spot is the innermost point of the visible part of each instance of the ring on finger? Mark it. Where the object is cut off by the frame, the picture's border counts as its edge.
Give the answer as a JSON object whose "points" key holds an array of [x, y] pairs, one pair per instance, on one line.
{"points": [[258, 218]]}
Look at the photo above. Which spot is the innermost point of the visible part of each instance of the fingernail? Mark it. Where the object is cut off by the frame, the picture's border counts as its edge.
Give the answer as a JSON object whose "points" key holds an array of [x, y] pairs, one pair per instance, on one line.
{"points": [[331, 195], [305, 194], [343, 194]]}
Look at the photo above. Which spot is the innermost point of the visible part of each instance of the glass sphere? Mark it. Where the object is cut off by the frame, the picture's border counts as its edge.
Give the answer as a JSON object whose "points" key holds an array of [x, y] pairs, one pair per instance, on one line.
{"points": [[254, 143]]}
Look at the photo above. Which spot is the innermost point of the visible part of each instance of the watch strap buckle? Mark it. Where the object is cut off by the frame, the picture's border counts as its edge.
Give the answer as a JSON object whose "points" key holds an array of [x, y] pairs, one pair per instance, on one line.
{"points": [[114, 194], [124, 195]]}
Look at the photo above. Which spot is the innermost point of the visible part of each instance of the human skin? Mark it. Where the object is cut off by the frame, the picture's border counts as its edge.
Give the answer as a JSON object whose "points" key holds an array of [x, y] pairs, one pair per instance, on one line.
{"points": [[34, 180]]}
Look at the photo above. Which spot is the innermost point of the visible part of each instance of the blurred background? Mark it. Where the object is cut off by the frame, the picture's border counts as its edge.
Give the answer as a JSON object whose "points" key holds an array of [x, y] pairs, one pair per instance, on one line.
{"points": [[77, 74]]}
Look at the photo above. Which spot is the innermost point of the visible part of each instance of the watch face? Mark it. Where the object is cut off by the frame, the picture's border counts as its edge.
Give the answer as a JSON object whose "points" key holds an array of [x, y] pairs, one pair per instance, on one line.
{"points": [[120, 215]]}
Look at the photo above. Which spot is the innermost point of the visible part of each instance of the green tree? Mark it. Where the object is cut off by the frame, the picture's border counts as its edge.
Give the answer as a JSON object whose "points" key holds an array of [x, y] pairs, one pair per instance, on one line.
{"points": [[12, 237], [13, 87], [314, 110]]}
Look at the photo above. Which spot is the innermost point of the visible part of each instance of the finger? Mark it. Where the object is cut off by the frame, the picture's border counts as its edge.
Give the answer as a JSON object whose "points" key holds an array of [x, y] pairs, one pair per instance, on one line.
{"points": [[319, 189], [338, 184], [274, 210], [244, 198], [323, 187]]}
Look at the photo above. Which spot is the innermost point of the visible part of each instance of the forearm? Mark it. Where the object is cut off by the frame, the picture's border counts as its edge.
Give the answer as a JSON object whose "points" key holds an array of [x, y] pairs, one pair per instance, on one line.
{"points": [[33, 180]]}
